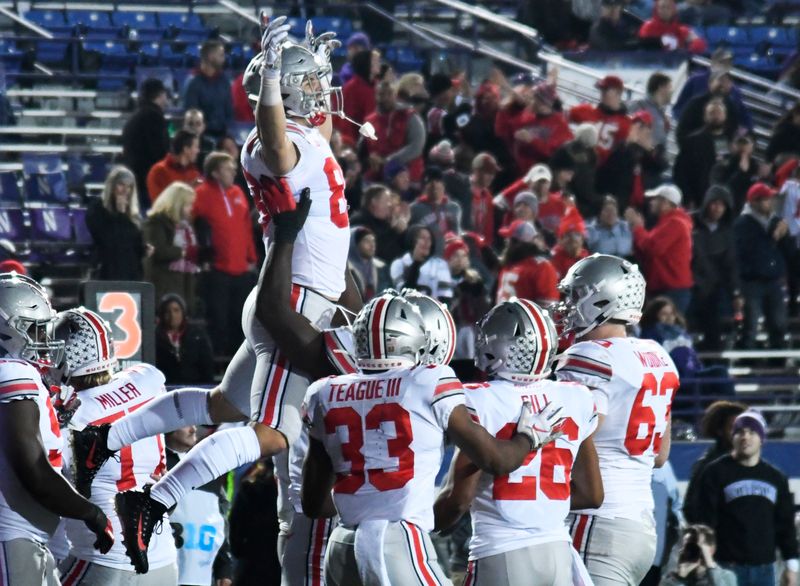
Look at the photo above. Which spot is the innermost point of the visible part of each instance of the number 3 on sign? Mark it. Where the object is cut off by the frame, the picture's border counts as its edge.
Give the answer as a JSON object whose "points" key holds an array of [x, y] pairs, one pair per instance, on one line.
{"points": [[127, 321]]}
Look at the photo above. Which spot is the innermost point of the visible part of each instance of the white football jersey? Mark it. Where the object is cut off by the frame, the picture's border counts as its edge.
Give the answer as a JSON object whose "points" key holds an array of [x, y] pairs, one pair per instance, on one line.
{"points": [[528, 506], [385, 437], [20, 515], [320, 251], [128, 390], [633, 381]]}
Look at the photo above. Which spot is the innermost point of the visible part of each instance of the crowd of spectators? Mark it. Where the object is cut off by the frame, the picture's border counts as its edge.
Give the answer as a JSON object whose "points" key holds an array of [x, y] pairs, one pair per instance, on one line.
{"points": [[476, 194]]}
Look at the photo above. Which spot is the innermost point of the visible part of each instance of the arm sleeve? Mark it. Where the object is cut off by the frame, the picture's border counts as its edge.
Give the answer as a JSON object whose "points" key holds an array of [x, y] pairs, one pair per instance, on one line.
{"points": [[707, 500], [19, 386], [163, 249], [415, 141], [448, 394], [191, 97]]}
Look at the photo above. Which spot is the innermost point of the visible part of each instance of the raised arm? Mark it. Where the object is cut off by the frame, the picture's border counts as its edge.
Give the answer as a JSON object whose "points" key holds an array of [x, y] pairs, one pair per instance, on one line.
{"points": [[297, 338], [22, 446], [277, 150]]}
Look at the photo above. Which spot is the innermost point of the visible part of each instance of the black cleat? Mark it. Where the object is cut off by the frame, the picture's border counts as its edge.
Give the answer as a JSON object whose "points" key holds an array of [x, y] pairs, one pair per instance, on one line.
{"points": [[90, 452], [138, 514]]}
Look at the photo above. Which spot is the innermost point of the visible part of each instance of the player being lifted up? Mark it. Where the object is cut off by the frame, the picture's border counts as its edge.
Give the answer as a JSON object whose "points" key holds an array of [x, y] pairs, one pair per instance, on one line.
{"points": [[633, 382], [518, 520], [376, 440], [104, 396], [33, 495], [288, 146]]}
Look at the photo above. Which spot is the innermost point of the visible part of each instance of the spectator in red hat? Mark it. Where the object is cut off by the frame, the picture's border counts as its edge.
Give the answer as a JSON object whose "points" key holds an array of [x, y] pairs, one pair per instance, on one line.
{"points": [[634, 165], [537, 140], [666, 250], [665, 29], [570, 248], [525, 271], [481, 213], [610, 115], [765, 252]]}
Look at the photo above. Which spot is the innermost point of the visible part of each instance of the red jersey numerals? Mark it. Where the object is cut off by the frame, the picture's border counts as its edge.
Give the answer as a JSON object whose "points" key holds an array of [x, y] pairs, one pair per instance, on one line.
{"points": [[53, 456], [398, 447], [338, 203], [642, 414], [551, 457]]}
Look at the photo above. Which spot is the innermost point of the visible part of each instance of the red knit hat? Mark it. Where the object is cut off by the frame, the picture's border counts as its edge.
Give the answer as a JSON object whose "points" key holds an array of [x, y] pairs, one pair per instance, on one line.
{"points": [[760, 191], [453, 245]]}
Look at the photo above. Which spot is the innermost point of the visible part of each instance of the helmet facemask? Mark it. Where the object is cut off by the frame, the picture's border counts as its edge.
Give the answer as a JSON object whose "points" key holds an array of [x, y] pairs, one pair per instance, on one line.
{"points": [[40, 346]]}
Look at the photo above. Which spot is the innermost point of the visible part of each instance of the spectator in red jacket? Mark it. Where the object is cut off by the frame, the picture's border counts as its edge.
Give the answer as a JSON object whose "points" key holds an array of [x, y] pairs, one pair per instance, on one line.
{"points": [[222, 218], [525, 271], [515, 112], [358, 94], [242, 109], [537, 140], [610, 116], [666, 249], [665, 29], [481, 220], [178, 165]]}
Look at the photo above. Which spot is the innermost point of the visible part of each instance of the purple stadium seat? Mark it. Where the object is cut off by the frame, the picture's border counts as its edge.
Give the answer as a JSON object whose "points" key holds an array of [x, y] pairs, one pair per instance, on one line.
{"points": [[9, 189], [12, 224], [82, 234], [51, 223]]}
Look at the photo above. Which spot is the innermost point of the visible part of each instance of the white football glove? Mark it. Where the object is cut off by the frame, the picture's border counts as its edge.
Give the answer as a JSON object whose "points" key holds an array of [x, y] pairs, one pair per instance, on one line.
{"points": [[540, 428], [323, 45], [272, 39]]}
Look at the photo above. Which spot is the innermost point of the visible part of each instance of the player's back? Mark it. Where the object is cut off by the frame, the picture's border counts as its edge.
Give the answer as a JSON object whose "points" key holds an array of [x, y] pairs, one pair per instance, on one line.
{"points": [[384, 434], [320, 251], [127, 391], [528, 506], [20, 515], [634, 382]]}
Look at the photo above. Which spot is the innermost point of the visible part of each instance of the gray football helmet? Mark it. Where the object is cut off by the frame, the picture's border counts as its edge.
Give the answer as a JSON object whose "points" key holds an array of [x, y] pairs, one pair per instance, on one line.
{"points": [[389, 332], [89, 342], [438, 323], [305, 84], [596, 289], [26, 322], [516, 341]]}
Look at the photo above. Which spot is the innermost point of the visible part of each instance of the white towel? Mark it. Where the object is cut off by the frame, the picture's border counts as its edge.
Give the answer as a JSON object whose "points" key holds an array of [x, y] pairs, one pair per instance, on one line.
{"points": [[369, 553], [580, 575]]}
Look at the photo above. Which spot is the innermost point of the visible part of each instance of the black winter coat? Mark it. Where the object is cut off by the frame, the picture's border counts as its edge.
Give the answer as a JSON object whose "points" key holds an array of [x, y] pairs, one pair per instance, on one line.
{"points": [[760, 257], [193, 364], [119, 245], [714, 253]]}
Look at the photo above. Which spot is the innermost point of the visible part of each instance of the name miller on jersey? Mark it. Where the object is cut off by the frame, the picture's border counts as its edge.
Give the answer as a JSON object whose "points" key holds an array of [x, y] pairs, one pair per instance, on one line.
{"points": [[365, 389], [122, 395]]}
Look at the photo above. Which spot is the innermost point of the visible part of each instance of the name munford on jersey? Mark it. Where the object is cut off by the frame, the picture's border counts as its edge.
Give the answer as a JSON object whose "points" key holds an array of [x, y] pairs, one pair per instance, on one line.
{"points": [[320, 251], [528, 506], [21, 517], [128, 391], [634, 382], [385, 437]]}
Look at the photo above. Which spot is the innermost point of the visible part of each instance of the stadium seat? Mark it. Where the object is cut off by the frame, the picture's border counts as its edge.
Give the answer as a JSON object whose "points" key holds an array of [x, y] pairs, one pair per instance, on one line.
{"points": [[51, 223], [80, 230], [52, 20], [43, 178], [728, 35], [113, 54], [50, 52], [10, 194], [343, 27], [89, 18], [168, 58], [162, 73], [180, 20], [12, 224], [136, 20]]}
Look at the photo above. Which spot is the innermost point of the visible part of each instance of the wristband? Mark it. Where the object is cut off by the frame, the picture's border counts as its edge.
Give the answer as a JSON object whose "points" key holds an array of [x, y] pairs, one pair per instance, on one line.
{"points": [[793, 565], [270, 94]]}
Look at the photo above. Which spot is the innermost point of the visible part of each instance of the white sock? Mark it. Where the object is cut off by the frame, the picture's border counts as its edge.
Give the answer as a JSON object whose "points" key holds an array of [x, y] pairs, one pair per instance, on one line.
{"points": [[161, 415], [219, 453]]}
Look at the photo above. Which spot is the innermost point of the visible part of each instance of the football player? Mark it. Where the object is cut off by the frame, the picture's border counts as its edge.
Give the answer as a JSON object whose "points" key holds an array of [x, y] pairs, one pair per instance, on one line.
{"points": [[104, 397], [519, 534], [633, 382], [33, 495], [376, 440]]}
